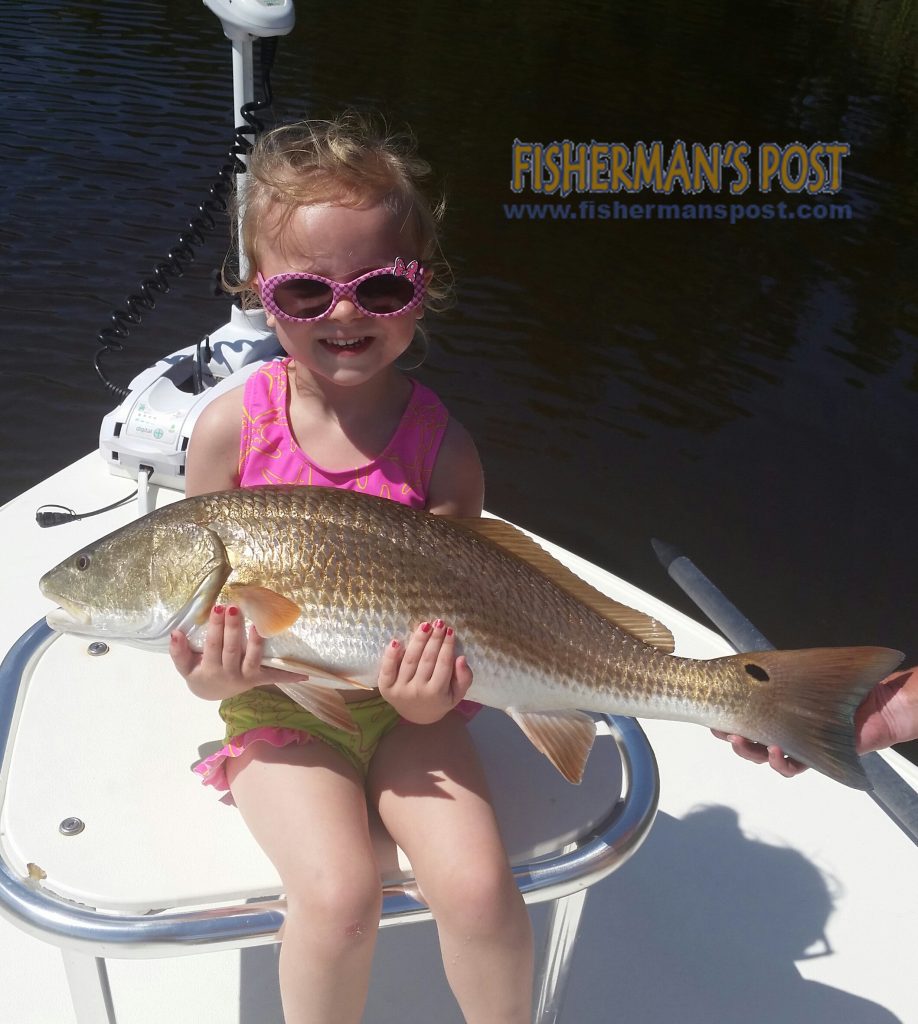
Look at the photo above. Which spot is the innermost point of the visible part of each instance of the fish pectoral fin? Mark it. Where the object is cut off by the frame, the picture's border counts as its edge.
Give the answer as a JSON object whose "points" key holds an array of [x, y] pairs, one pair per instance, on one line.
{"points": [[326, 704], [320, 677], [564, 737], [271, 612], [636, 623]]}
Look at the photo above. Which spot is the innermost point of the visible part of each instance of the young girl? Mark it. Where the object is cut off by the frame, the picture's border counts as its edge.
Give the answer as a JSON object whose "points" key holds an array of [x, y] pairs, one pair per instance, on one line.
{"points": [[342, 252]]}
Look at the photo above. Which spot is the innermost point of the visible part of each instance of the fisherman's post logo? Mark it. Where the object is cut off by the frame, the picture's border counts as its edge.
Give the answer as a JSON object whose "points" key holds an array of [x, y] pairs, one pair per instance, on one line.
{"points": [[684, 171]]}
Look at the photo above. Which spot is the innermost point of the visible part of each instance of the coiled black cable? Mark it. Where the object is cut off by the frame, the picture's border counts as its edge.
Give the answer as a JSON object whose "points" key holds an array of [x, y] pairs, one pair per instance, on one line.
{"points": [[183, 252]]}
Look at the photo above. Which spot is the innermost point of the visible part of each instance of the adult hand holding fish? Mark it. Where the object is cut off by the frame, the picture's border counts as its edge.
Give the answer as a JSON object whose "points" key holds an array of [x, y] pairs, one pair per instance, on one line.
{"points": [[888, 715]]}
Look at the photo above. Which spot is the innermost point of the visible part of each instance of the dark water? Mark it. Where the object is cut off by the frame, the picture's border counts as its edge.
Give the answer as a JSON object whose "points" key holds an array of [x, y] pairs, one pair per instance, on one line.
{"points": [[747, 392]]}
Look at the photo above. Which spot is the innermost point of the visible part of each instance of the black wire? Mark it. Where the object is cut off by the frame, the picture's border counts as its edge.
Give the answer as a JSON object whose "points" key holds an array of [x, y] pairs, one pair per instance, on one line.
{"points": [[202, 352], [67, 515], [183, 253]]}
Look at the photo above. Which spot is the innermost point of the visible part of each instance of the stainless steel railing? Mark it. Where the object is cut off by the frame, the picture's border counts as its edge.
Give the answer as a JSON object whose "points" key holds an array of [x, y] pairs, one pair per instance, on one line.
{"points": [[100, 933]]}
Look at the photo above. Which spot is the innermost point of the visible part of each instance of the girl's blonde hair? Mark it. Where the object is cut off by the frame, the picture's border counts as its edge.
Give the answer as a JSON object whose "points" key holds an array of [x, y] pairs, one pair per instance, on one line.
{"points": [[350, 161]]}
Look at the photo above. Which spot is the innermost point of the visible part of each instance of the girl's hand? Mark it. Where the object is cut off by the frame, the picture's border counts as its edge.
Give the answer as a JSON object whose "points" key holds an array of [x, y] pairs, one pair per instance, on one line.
{"points": [[425, 680], [230, 662]]}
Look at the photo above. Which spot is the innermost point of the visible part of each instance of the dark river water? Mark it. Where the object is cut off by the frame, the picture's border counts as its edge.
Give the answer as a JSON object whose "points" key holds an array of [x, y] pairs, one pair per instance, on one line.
{"points": [[747, 391]]}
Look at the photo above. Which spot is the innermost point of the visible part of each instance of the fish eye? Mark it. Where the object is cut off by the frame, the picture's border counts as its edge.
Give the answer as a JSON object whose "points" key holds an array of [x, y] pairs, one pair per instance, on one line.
{"points": [[82, 561]]}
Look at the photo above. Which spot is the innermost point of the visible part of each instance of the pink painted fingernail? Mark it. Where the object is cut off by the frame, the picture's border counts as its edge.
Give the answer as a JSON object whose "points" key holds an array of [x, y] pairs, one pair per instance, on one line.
{"points": [[232, 610], [425, 627], [439, 624], [218, 609]]}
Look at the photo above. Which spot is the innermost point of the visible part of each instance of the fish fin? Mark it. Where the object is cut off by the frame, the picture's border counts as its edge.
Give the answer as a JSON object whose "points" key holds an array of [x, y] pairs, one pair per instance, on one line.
{"points": [[326, 704], [271, 612], [315, 674], [564, 737], [804, 701], [638, 624]]}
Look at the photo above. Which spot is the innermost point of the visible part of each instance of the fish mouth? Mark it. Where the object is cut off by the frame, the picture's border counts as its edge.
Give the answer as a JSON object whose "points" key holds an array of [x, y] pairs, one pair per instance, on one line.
{"points": [[68, 618], [75, 620]]}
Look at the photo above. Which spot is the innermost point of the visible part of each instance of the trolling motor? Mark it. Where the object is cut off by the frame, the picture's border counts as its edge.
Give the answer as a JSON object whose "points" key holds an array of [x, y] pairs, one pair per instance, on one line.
{"points": [[146, 436]]}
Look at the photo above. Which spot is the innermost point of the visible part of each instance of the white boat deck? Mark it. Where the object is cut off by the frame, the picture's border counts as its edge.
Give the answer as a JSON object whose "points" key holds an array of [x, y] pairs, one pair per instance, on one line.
{"points": [[753, 899]]}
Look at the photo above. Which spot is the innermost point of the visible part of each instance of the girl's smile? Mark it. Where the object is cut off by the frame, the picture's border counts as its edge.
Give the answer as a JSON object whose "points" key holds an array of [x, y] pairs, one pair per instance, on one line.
{"points": [[346, 346]]}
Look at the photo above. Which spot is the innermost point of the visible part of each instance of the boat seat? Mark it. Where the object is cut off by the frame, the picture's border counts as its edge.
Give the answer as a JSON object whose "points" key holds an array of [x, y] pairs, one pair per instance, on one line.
{"points": [[110, 847]]}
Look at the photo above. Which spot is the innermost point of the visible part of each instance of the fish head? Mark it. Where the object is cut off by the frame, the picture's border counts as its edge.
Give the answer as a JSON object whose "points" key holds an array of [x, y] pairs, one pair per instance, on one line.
{"points": [[139, 583]]}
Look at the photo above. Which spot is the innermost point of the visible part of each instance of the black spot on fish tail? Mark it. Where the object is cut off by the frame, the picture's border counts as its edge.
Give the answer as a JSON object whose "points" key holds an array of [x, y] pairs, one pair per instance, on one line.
{"points": [[757, 672]]}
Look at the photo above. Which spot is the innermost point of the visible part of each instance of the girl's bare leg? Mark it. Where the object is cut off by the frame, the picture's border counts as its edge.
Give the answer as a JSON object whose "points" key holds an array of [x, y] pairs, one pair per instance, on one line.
{"points": [[306, 807], [432, 796]]}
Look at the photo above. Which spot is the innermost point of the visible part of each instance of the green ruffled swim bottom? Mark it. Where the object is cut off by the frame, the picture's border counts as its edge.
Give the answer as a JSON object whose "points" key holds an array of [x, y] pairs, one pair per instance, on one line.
{"points": [[267, 715]]}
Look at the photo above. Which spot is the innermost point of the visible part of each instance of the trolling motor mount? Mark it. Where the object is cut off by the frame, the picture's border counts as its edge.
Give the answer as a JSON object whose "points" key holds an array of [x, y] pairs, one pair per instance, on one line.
{"points": [[258, 18]]}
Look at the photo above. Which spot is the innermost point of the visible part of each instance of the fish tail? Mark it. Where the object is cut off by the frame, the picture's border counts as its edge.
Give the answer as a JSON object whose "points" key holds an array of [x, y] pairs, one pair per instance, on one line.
{"points": [[804, 701]]}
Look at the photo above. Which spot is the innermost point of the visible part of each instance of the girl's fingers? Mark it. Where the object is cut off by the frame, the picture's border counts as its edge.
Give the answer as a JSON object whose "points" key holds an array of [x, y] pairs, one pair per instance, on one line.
{"points": [[254, 652], [213, 643], [446, 655], [414, 652], [233, 639], [437, 657], [183, 657], [462, 678], [391, 661], [422, 660]]}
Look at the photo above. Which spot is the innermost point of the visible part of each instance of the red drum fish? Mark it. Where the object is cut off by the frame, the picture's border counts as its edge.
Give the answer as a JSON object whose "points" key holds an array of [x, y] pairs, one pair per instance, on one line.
{"points": [[329, 577]]}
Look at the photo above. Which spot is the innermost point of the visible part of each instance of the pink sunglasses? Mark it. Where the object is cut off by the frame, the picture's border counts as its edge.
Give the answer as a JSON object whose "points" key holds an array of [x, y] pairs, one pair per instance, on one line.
{"points": [[305, 297]]}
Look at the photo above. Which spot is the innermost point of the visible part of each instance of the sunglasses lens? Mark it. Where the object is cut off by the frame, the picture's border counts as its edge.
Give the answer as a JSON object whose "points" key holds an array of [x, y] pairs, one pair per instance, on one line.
{"points": [[303, 298], [385, 293]]}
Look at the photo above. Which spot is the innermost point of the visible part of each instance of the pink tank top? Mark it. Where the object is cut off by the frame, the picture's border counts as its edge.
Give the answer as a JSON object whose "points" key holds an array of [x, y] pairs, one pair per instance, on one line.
{"points": [[268, 453]]}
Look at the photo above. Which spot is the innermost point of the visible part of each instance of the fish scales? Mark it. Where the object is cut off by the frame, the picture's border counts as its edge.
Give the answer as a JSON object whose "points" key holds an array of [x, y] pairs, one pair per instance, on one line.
{"points": [[383, 571], [387, 571], [350, 572]]}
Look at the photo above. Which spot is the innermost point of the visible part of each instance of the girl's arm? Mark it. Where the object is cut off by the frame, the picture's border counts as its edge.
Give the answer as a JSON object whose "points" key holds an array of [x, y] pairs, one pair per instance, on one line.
{"points": [[424, 679], [212, 463], [457, 482], [231, 661]]}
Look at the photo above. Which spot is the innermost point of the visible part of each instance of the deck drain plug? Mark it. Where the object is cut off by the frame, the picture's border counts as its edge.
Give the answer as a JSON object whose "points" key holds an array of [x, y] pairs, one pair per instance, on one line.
{"points": [[72, 826], [97, 648]]}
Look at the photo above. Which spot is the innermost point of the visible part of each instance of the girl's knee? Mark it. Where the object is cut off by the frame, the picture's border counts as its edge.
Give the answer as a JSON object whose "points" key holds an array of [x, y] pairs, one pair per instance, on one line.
{"points": [[341, 908], [478, 898]]}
